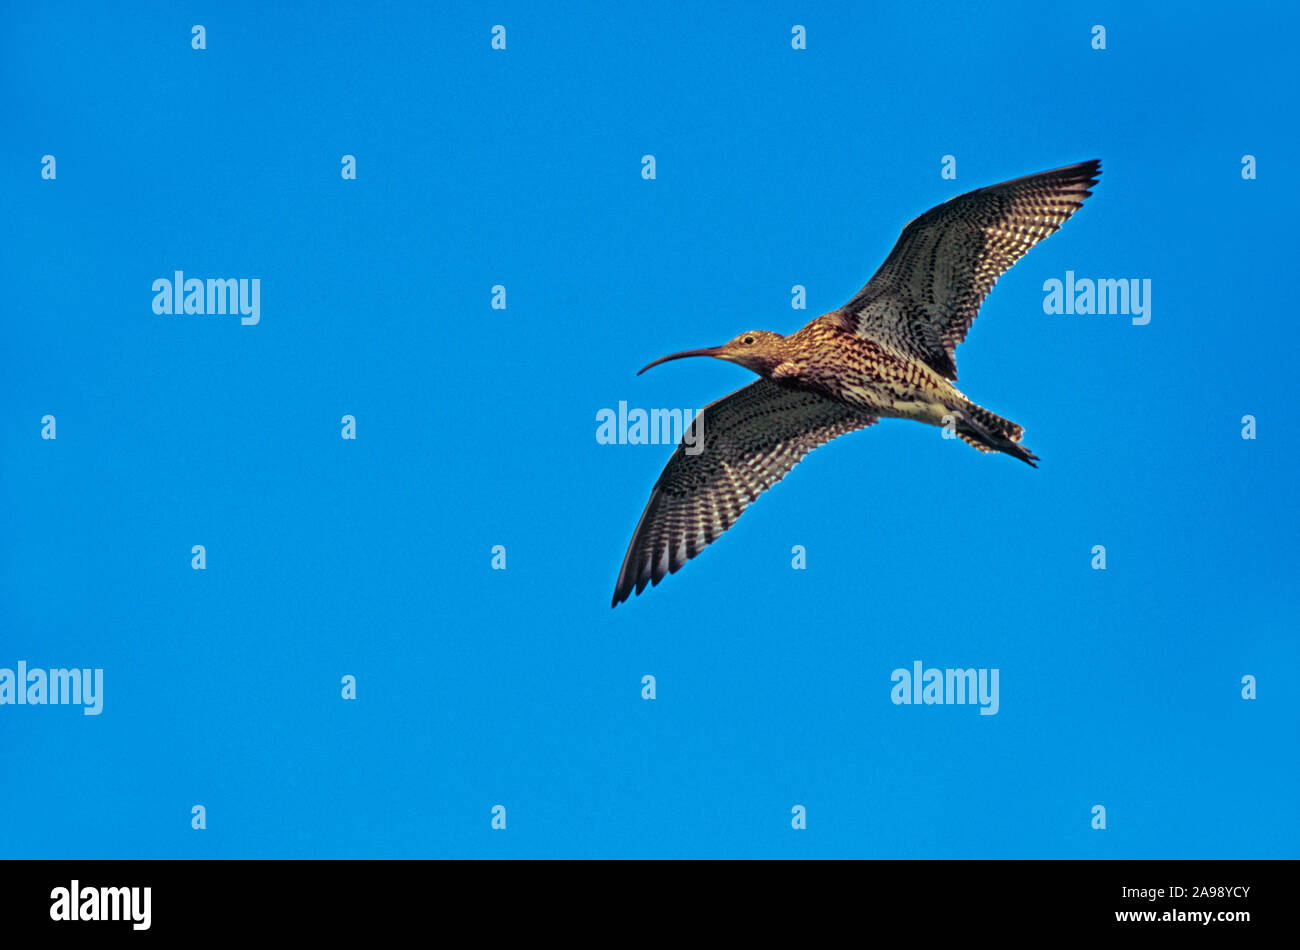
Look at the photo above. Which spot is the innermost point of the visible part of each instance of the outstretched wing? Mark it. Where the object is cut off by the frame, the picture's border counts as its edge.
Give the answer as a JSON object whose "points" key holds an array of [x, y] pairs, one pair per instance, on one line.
{"points": [[751, 439], [927, 293]]}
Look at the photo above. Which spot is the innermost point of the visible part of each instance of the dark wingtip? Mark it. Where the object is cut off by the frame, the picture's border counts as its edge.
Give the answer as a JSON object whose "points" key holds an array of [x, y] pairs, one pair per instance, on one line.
{"points": [[1091, 172]]}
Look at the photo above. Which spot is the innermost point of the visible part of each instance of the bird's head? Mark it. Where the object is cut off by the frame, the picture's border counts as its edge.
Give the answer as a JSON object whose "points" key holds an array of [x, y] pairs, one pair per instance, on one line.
{"points": [[757, 350]]}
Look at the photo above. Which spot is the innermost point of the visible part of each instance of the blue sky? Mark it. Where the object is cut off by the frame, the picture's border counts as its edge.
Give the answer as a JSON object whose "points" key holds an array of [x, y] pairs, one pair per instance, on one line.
{"points": [[476, 427]]}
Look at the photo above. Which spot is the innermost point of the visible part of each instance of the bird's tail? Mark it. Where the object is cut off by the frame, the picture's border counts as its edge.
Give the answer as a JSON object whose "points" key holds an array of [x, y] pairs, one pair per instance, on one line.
{"points": [[988, 432]]}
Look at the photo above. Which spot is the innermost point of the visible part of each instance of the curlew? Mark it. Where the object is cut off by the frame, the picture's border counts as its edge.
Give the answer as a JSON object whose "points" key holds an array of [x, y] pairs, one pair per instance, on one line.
{"points": [[888, 352]]}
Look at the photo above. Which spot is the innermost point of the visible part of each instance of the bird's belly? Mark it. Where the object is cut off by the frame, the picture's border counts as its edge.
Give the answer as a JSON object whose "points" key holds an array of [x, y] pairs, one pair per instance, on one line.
{"points": [[932, 413], [890, 401]]}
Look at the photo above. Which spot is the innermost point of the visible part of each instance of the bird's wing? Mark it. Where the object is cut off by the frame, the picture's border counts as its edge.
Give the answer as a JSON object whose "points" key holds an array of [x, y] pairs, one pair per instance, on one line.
{"points": [[926, 294], [751, 439]]}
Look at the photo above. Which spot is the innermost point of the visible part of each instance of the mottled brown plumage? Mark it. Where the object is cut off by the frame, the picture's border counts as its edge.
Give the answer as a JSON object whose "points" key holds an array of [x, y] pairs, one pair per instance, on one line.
{"points": [[888, 352]]}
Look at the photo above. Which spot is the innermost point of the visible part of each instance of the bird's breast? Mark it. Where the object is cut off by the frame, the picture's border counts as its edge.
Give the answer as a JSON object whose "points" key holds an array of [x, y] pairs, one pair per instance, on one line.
{"points": [[867, 376]]}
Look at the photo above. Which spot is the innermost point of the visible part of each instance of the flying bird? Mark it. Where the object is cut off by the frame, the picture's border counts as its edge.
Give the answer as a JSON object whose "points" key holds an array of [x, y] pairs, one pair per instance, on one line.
{"points": [[887, 352]]}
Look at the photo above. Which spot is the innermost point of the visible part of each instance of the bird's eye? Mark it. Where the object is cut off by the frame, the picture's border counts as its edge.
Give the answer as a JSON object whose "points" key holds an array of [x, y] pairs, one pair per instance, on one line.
{"points": [[748, 340]]}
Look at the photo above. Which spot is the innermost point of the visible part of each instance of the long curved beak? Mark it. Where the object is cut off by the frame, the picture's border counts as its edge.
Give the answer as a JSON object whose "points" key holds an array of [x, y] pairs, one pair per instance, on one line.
{"points": [[715, 351]]}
